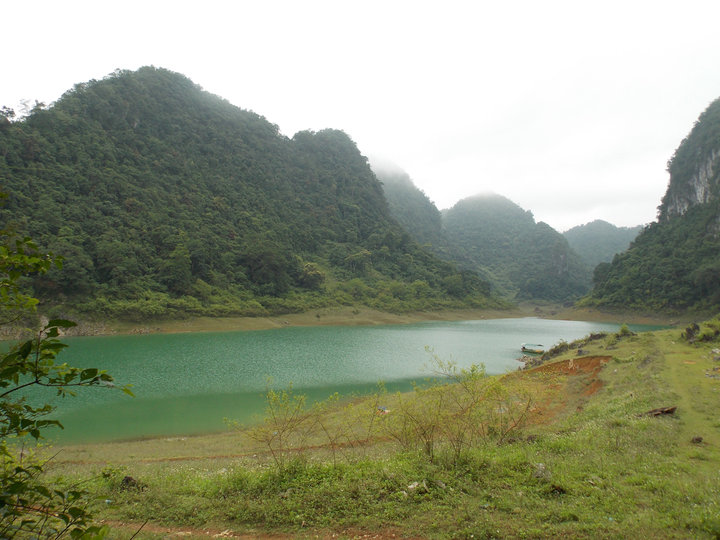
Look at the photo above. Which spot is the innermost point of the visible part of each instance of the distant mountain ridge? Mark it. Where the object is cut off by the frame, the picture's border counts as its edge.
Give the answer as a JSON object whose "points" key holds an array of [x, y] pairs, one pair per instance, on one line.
{"points": [[493, 236], [599, 241], [413, 209], [166, 199]]}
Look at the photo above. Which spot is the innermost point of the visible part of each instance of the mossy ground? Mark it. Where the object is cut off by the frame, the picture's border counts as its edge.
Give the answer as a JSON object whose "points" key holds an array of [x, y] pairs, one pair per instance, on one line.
{"points": [[589, 465]]}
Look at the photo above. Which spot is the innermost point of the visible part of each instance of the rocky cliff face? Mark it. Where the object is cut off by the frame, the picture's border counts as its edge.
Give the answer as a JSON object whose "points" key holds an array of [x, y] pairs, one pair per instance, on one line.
{"points": [[695, 167], [700, 188]]}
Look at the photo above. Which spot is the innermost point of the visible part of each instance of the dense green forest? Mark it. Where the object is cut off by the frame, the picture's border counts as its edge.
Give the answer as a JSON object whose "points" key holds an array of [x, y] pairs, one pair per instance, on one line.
{"points": [[599, 241], [674, 264], [529, 260], [165, 200]]}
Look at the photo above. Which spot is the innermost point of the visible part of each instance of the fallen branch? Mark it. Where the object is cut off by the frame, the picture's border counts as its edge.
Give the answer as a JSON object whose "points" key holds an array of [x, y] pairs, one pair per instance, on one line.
{"points": [[660, 411]]}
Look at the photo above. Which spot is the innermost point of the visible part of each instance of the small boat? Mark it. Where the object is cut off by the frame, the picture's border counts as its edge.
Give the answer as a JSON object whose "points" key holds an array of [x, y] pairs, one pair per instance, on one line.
{"points": [[532, 348]]}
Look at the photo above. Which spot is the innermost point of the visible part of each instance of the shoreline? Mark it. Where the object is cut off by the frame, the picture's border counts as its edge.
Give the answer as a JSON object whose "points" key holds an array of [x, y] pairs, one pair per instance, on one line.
{"points": [[363, 316], [335, 317]]}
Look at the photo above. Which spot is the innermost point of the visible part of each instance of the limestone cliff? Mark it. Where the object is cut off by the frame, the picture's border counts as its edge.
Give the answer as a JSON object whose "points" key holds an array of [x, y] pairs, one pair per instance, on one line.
{"points": [[695, 167]]}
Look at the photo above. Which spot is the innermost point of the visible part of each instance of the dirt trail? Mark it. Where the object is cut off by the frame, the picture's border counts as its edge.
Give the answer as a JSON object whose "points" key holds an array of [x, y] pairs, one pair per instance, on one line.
{"points": [[191, 533], [185, 532]]}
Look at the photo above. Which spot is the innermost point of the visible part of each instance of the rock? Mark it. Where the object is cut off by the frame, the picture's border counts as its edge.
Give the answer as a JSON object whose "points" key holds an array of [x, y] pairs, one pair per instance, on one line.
{"points": [[419, 485], [541, 472]]}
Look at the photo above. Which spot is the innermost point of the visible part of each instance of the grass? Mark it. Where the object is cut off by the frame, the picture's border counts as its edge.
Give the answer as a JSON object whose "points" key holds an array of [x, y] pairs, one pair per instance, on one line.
{"points": [[588, 465]]}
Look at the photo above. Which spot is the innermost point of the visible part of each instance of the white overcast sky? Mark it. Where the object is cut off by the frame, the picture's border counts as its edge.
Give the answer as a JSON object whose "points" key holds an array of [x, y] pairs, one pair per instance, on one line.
{"points": [[569, 108]]}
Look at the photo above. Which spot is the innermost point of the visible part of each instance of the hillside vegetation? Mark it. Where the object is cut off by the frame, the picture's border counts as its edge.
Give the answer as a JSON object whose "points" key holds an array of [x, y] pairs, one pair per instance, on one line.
{"points": [[674, 264], [167, 200]]}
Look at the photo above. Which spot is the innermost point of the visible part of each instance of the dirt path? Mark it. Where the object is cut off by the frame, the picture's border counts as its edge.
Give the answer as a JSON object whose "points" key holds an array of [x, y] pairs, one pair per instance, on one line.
{"points": [[143, 530], [146, 530]]}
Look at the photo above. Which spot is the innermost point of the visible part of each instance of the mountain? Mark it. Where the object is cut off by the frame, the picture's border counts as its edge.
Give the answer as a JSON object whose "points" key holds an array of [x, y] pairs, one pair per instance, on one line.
{"points": [[674, 264], [165, 199], [413, 209], [494, 236], [599, 241], [695, 167]]}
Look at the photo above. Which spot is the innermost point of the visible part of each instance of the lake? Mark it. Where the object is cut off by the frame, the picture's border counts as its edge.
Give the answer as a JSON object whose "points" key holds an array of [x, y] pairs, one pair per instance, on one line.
{"points": [[189, 383]]}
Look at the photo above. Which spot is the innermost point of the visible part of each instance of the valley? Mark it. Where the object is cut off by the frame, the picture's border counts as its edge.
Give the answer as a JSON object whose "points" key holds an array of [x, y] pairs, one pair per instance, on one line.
{"points": [[318, 351]]}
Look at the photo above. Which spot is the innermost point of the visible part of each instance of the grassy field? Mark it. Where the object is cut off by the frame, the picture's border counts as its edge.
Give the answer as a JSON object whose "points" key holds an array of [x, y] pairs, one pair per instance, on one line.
{"points": [[563, 450]]}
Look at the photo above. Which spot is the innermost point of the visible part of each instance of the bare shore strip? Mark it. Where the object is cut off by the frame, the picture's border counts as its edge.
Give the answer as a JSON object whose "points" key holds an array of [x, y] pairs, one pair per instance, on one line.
{"points": [[362, 316]]}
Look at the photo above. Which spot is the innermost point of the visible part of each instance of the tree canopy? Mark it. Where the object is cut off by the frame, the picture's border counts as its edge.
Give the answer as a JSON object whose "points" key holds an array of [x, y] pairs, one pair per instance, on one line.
{"points": [[165, 199]]}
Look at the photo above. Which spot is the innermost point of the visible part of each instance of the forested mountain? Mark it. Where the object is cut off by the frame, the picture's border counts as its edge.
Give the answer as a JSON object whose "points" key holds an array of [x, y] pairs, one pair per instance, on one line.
{"points": [[165, 199], [599, 241], [494, 236], [675, 263]]}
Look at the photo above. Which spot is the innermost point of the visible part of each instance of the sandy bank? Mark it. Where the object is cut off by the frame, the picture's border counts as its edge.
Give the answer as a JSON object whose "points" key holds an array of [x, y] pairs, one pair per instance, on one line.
{"points": [[349, 316]]}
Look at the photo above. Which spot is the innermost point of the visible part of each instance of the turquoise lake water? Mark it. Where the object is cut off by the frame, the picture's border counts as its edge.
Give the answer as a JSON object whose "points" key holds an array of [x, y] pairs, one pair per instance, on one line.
{"points": [[189, 383]]}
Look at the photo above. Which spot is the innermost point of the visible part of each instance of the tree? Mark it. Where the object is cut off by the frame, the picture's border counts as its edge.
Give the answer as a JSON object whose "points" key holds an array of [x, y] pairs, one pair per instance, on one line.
{"points": [[28, 506], [312, 277], [176, 270], [18, 257]]}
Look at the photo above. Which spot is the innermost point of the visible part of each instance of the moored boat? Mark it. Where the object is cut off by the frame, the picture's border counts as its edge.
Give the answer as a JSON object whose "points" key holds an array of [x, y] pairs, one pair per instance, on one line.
{"points": [[532, 348]]}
